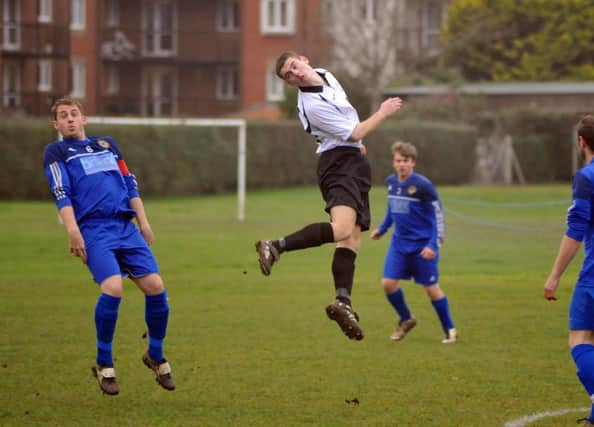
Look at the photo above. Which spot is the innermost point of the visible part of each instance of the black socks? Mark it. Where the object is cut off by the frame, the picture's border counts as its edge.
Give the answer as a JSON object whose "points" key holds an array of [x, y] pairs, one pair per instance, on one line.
{"points": [[343, 270], [309, 236]]}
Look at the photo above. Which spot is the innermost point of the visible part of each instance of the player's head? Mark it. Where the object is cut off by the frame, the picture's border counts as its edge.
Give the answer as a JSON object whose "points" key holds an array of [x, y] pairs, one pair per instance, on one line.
{"points": [[404, 159], [294, 69], [69, 118], [586, 131]]}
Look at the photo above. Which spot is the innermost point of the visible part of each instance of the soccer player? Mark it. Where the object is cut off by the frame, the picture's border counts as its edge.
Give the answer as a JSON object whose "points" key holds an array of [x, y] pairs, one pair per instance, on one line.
{"points": [[580, 227], [415, 211], [344, 178], [97, 198]]}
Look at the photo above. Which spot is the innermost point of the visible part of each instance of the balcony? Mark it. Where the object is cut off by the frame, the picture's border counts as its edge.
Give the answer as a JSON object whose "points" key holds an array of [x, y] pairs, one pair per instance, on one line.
{"points": [[192, 47], [36, 39]]}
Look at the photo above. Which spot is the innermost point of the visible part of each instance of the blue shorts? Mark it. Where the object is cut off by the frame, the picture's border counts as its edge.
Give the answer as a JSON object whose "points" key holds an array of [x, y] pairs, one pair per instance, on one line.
{"points": [[404, 266], [117, 247], [581, 309]]}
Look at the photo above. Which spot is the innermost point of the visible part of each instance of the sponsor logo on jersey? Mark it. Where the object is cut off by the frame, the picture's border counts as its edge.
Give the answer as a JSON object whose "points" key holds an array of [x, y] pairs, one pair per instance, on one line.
{"points": [[103, 143], [411, 190]]}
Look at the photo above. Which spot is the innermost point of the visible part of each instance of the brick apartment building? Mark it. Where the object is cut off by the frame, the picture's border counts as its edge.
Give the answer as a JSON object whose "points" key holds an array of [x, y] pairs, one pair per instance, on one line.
{"points": [[172, 57]]}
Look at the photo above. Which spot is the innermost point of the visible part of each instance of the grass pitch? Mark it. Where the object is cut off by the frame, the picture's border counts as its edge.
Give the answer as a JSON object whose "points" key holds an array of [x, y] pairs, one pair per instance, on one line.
{"points": [[250, 350]]}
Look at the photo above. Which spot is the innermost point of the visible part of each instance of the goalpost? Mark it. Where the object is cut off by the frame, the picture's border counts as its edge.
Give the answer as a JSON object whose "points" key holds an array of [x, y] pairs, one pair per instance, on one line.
{"points": [[156, 121]]}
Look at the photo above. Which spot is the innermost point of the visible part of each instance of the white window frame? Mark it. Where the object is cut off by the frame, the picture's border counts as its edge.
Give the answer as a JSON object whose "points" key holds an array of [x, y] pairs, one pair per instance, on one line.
{"points": [[45, 75], [154, 29], [112, 13], [45, 11], [153, 77], [11, 27], [227, 83], [277, 17], [78, 17], [11, 76], [430, 32], [228, 15], [79, 79], [275, 86], [113, 80]]}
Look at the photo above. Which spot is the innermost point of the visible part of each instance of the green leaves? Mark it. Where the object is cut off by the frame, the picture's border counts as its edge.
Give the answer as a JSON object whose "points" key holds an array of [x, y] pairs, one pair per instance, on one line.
{"points": [[521, 41]]}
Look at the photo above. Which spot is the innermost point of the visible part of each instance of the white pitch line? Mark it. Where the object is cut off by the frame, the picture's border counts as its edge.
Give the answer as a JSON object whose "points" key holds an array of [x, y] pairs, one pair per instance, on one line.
{"points": [[524, 421]]}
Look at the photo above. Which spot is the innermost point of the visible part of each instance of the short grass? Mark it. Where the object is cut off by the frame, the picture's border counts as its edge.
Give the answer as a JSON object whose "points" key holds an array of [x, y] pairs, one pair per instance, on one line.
{"points": [[248, 350]]}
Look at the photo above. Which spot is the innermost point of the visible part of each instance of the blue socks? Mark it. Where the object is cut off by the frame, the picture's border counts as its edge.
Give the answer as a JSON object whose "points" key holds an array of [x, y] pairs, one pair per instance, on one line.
{"points": [[397, 301], [583, 355], [106, 317], [156, 316], [442, 308]]}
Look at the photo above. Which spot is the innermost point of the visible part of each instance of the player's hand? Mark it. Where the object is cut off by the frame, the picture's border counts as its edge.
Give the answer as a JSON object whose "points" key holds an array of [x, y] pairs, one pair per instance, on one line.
{"points": [[549, 289], [390, 106], [363, 149], [77, 245], [147, 233], [375, 234], [427, 253]]}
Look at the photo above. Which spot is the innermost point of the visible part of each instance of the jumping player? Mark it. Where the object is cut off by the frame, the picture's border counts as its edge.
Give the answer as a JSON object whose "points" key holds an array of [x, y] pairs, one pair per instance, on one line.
{"points": [[97, 198], [415, 211], [344, 177]]}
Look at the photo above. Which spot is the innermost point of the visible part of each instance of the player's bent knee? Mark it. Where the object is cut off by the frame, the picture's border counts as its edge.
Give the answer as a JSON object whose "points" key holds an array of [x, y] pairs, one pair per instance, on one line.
{"points": [[390, 286], [151, 284]]}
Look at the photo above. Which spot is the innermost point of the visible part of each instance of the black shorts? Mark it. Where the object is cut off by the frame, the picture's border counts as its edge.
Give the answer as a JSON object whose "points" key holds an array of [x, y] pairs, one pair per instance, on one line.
{"points": [[344, 177]]}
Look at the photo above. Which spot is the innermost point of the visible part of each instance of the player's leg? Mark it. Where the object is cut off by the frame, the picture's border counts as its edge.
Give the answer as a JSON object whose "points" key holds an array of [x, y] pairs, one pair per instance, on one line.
{"points": [[426, 273], [395, 268], [343, 270], [137, 259], [156, 316], [440, 303], [581, 339], [104, 267]]}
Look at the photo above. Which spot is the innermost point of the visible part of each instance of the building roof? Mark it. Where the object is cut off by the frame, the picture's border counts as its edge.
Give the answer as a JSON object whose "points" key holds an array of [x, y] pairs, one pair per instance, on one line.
{"points": [[514, 88]]}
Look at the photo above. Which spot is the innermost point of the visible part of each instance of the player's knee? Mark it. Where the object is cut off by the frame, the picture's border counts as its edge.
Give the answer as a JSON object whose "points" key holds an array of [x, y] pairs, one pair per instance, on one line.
{"points": [[389, 286], [151, 284]]}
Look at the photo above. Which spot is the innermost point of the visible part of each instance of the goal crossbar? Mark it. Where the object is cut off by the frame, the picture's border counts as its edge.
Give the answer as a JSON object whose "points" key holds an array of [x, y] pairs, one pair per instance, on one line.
{"points": [[158, 121]]}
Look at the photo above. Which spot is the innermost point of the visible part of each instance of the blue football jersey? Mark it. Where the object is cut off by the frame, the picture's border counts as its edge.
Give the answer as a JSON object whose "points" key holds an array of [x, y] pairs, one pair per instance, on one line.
{"points": [[580, 220], [415, 211], [91, 176]]}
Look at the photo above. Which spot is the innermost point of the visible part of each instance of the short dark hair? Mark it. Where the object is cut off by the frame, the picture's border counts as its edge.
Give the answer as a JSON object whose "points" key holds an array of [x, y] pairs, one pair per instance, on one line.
{"points": [[586, 130], [280, 62], [66, 100], [405, 149]]}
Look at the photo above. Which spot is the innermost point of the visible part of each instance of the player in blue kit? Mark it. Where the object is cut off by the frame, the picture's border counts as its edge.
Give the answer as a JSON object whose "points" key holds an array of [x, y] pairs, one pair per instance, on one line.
{"points": [[97, 198], [580, 227], [415, 211]]}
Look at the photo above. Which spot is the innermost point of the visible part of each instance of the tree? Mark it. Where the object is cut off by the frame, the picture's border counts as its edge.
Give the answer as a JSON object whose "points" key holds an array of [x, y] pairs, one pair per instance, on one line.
{"points": [[364, 35], [505, 40]]}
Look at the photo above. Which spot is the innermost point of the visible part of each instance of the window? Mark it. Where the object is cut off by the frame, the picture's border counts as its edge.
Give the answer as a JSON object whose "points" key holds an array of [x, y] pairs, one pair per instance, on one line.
{"points": [[11, 27], [159, 89], [228, 15], [11, 85], [79, 79], [275, 87], [433, 20], [226, 83], [369, 11], [158, 28], [277, 16], [45, 11], [45, 75], [113, 13], [78, 15], [113, 80]]}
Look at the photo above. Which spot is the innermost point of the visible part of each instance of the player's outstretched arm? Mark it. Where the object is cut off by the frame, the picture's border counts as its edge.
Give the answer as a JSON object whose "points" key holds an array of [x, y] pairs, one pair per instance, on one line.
{"points": [[386, 109]]}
